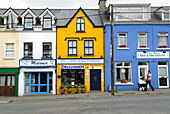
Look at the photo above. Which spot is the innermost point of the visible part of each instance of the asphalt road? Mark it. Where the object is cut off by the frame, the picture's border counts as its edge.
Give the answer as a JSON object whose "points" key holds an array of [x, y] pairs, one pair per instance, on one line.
{"points": [[152, 104]]}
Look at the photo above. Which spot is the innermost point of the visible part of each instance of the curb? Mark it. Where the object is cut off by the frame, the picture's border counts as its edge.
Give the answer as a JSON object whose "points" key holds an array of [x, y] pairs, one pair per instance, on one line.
{"points": [[5, 102]]}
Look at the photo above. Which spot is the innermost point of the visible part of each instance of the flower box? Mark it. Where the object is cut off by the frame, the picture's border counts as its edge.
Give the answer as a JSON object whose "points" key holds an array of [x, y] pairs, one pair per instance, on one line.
{"points": [[122, 46], [142, 46], [162, 46]]}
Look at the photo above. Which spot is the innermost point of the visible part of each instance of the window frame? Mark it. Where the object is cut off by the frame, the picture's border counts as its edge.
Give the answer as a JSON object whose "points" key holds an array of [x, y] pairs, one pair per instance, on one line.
{"points": [[30, 21], [166, 39], [9, 50], [44, 18], [146, 36], [46, 49], [28, 49], [89, 47], [163, 16], [122, 46], [72, 48], [80, 24]]}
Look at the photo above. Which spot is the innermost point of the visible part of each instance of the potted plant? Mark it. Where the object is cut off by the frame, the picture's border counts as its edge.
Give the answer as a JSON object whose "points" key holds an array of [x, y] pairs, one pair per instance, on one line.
{"points": [[122, 46], [164, 46], [142, 46], [76, 90], [83, 89], [69, 89], [62, 89], [123, 81]]}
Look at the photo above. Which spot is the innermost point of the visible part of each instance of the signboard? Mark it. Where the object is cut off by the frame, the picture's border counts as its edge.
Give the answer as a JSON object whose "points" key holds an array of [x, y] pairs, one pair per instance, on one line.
{"points": [[80, 61], [37, 63], [72, 66], [152, 55]]}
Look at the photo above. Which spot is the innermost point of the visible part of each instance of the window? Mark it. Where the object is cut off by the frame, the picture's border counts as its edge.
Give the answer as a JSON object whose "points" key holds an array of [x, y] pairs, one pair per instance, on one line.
{"points": [[142, 40], [72, 77], [80, 25], [166, 14], [28, 22], [27, 49], [88, 47], [10, 21], [123, 72], [47, 49], [122, 40], [47, 21], [162, 40], [9, 50], [72, 47]]}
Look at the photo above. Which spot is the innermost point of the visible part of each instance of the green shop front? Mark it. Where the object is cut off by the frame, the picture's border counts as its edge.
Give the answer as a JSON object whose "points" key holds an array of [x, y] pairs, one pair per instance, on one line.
{"points": [[9, 81]]}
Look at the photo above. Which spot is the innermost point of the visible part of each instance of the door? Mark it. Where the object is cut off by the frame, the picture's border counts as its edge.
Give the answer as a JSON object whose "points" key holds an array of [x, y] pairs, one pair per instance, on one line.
{"points": [[95, 79], [163, 74], [7, 85], [142, 73]]}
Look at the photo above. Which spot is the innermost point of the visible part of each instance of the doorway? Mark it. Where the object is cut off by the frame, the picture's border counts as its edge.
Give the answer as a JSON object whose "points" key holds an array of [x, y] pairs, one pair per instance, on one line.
{"points": [[142, 72], [95, 79]]}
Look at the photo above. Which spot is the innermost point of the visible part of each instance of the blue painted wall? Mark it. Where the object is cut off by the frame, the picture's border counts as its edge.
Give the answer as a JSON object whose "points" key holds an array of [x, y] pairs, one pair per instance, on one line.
{"points": [[107, 56], [130, 54]]}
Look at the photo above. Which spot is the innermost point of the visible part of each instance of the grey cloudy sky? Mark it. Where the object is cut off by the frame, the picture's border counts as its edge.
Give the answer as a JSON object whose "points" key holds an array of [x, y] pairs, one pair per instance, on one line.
{"points": [[71, 3]]}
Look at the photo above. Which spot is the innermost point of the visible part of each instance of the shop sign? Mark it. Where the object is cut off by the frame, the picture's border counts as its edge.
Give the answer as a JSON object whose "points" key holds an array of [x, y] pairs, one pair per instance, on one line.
{"points": [[80, 61], [72, 66], [152, 55], [37, 63]]}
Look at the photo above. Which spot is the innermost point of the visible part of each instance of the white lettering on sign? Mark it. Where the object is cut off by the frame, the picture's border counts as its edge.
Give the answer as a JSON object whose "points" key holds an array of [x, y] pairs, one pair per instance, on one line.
{"points": [[80, 61], [37, 63], [72, 66], [151, 55]]}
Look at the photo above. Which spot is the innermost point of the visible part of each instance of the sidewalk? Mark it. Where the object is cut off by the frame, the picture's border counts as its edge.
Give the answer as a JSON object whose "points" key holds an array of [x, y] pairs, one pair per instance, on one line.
{"points": [[93, 94]]}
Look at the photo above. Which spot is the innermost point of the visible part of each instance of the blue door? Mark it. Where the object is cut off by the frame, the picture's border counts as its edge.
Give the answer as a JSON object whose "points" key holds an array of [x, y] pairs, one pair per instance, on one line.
{"points": [[95, 79]]}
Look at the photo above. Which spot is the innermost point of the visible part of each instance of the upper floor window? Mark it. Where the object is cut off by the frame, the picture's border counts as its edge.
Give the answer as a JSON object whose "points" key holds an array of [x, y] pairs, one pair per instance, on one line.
{"points": [[9, 50], [122, 40], [47, 21], [162, 40], [80, 25], [142, 40], [166, 14], [88, 47], [28, 49], [28, 21], [47, 49], [72, 47], [10, 19]]}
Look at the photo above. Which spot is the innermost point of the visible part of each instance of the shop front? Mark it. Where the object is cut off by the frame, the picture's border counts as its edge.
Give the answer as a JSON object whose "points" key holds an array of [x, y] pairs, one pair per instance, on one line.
{"points": [[37, 77], [80, 72], [8, 81]]}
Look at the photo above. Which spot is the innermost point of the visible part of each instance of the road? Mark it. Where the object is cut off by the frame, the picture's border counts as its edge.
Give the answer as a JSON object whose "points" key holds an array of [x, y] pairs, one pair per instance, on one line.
{"points": [[152, 104]]}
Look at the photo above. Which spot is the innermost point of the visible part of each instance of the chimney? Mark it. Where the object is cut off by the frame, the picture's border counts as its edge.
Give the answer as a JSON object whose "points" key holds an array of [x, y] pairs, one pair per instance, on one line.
{"points": [[102, 4]]}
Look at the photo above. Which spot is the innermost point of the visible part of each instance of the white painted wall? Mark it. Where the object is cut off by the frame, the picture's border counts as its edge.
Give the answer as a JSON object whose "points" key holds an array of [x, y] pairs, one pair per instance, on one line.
{"points": [[37, 38], [22, 78]]}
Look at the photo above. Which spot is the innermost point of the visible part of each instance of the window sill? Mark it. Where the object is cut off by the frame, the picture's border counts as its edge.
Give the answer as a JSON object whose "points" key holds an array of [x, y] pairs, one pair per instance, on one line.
{"points": [[72, 55], [142, 48], [46, 58], [123, 48], [128, 83], [47, 29], [27, 58], [9, 58], [28, 29], [81, 32], [162, 48], [88, 55]]}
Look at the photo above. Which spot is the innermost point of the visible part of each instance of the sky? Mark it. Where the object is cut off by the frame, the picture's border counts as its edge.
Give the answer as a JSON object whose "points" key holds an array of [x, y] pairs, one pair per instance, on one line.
{"points": [[74, 4]]}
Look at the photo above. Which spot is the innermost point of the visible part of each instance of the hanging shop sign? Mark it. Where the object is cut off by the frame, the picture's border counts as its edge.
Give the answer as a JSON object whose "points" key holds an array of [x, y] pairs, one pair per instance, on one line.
{"points": [[72, 66], [152, 55], [37, 63], [80, 61]]}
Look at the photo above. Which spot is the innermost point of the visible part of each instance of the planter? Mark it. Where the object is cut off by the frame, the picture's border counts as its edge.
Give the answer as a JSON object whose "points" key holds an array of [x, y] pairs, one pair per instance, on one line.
{"points": [[142, 46], [76, 90], [83, 90], [124, 82], [62, 91], [122, 46], [68, 90], [162, 46]]}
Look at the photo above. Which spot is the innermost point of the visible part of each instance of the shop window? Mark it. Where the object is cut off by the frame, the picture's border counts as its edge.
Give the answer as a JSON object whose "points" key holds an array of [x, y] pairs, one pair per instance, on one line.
{"points": [[122, 40], [123, 72], [88, 47], [27, 49], [47, 21], [28, 21], [9, 50], [162, 63], [47, 49], [142, 40], [72, 77], [162, 40], [2, 80], [72, 47], [80, 25]]}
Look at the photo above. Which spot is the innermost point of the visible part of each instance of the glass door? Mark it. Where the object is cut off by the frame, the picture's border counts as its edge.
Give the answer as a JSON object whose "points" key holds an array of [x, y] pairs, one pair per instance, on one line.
{"points": [[142, 72], [163, 74]]}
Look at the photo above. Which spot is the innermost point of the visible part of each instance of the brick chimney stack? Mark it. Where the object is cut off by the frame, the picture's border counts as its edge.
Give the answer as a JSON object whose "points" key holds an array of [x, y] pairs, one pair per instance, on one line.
{"points": [[102, 4]]}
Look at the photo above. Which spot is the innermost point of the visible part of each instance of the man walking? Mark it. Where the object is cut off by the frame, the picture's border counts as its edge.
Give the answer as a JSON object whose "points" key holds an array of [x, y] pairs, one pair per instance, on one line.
{"points": [[148, 80]]}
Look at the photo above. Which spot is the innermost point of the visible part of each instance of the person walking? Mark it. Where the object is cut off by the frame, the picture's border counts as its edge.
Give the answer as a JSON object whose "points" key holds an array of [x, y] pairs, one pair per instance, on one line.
{"points": [[148, 80]]}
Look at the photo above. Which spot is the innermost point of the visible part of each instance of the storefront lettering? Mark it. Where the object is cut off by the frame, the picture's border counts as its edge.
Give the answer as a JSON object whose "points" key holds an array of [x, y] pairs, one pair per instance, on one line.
{"points": [[72, 66], [152, 55], [79, 61], [37, 63]]}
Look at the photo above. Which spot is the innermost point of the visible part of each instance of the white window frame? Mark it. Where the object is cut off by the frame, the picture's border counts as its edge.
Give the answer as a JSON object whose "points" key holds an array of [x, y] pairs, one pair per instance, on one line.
{"points": [[9, 50], [142, 37], [159, 35], [122, 36], [163, 16], [123, 66]]}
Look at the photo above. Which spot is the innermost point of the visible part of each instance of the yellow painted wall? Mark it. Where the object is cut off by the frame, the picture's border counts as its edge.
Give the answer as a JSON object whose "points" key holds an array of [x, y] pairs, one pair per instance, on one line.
{"points": [[9, 37]]}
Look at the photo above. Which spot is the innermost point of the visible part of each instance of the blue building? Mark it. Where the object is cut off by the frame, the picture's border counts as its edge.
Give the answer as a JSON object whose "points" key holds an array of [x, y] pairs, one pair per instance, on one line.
{"points": [[141, 43]]}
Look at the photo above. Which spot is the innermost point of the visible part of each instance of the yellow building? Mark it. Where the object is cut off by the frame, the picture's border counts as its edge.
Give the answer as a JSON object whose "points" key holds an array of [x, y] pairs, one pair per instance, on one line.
{"points": [[80, 50]]}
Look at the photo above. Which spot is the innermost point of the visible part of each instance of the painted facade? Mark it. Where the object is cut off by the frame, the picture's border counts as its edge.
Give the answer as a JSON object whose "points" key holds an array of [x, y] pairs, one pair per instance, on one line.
{"points": [[77, 66]]}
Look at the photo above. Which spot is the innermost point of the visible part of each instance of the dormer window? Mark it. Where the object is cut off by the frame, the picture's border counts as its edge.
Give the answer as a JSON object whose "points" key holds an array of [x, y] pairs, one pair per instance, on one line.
{"points": [[80, 25], [47, 21], [28, 21], [166, 14], [10, 21]]}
